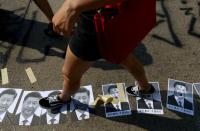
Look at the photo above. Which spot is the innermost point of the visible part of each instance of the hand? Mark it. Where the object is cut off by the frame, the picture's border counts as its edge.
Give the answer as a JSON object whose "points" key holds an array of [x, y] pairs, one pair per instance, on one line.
{"points": [[64, 19]]}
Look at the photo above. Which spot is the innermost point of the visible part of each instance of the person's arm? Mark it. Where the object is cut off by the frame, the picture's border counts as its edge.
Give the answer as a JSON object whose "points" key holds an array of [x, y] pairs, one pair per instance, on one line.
{"points": [[67, 15]]}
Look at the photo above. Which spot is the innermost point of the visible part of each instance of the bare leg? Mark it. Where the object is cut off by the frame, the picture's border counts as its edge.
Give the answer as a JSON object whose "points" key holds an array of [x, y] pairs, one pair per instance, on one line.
{"points": [[45, 7], [137, 70], [72, 70]]}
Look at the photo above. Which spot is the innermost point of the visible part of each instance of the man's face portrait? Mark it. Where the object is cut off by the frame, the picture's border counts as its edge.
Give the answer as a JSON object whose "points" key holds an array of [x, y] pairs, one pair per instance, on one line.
{"points": [[29, 106], [114, 92], [5, 101], [81, 100], [179, 91]]}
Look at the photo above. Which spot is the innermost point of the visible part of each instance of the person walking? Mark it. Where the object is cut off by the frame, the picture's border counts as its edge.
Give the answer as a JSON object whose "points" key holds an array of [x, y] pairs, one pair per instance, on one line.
{"points": [[83, 50]]}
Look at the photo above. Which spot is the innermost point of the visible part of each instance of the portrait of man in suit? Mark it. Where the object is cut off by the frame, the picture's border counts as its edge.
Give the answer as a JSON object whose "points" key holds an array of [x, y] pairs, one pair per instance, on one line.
{"points": [[179, 97], [117, 105], [50, 118], [148, 102], [27, 115], [81, 104], [7, 97]]}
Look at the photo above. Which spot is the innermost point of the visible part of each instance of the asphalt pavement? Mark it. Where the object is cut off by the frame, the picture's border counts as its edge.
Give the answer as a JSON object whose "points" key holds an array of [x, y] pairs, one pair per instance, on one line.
{"points": [[170, 50]]}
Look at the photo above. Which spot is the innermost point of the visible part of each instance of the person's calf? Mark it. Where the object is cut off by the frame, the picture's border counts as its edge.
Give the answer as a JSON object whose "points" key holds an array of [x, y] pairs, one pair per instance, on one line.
{"points": [[69, 88], [71, 84], [136, 69]]}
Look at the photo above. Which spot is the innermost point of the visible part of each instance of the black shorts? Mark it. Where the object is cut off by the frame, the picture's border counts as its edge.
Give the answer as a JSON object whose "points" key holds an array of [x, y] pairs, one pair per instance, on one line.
{"points": [[83, 43]]}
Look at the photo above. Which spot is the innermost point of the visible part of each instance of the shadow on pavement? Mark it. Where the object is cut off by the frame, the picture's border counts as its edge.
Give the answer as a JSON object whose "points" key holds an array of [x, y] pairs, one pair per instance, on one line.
{"points": [[17, 31]]}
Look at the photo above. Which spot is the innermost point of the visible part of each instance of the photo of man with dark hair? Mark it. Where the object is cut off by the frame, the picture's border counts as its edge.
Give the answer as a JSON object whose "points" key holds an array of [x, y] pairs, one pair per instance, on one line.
{"points": [[28, 115], [180, 96], [51, 118], [7, 98], [113, 107], [81, 104], [148, 102], [116, 107]]}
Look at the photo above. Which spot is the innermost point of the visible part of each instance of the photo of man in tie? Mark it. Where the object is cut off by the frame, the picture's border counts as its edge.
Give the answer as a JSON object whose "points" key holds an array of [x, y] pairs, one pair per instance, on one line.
{"points": [[81, 104], [116, 105], [27, 115], [178, 98], [50, 118], [148, 102], [7, 97]]}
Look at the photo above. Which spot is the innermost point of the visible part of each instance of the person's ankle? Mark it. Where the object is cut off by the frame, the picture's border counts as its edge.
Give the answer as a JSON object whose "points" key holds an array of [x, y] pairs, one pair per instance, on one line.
{"points": [[145, 88], [64, 99]]}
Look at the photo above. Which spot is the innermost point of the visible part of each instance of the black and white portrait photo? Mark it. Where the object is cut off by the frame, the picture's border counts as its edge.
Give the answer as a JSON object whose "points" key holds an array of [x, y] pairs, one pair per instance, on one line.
{"points": [[180, 96], [8, 101], [47, 117], [197, 88], [150, 104], [80, 103], [29, 111], [117, 107]]}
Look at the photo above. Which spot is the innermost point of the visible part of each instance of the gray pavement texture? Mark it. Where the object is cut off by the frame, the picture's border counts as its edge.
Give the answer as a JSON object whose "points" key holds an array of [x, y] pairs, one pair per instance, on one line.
{"points": [[171, 50]]}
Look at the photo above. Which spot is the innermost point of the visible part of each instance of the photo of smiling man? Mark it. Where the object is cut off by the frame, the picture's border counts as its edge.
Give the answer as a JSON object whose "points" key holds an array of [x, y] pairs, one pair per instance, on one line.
{"points": [[28, 112], [81, 101], [8, 101]]}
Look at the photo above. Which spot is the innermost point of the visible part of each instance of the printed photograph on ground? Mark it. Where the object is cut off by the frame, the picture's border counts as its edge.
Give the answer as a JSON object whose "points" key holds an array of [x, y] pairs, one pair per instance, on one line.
{"points": [[180, 96], [150, 104], [8, 101], [49, 117], [80, 103], [120, 104], [28, 111]]}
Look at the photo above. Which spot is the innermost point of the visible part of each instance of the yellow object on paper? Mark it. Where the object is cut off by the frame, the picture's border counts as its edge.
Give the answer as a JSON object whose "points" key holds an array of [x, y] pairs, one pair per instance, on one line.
{"points": [[102, 99], [31, 76], [106, 98], [4, 75]]}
